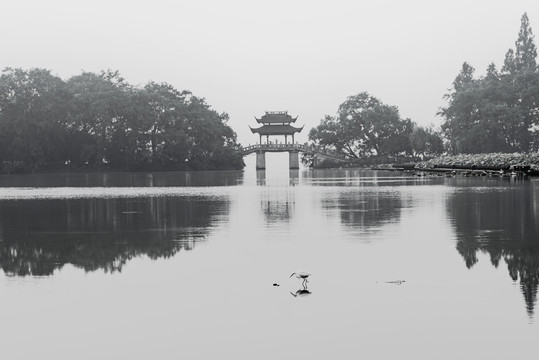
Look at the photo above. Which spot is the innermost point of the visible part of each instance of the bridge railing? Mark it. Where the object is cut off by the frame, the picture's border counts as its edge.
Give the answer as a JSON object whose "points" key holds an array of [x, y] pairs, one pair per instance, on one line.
{"points": [[294, 147], [272, 146]]}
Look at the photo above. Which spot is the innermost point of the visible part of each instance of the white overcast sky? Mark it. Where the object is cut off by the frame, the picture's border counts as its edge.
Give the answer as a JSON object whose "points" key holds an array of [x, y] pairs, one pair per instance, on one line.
{"points": [[246, 57]]}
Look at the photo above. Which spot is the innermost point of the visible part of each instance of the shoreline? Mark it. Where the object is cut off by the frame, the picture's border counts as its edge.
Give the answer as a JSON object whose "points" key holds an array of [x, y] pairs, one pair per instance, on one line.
{"points": [[492, 164]]}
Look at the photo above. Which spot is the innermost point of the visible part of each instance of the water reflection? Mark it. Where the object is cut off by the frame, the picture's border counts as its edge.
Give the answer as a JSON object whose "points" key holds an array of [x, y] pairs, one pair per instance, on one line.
{"points": [[38, 237], [363, 177], [364, 209], [278, 208], [293, 177], [158, 179], [369, 210], [503, 223], [261, 177], [303, 292]]}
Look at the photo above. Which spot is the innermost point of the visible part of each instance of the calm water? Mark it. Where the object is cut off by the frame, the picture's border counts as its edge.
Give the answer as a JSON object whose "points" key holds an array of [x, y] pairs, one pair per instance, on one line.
{"points": [[183, 266]]}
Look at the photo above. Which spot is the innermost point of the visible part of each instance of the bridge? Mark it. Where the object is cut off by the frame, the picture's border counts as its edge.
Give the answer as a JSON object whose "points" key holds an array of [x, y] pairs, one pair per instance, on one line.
{"points": [[293, 149]]}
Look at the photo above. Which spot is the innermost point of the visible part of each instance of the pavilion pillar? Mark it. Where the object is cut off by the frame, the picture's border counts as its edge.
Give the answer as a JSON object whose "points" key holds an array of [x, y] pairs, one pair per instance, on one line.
{"points": [[261, 160], [293, 159]]}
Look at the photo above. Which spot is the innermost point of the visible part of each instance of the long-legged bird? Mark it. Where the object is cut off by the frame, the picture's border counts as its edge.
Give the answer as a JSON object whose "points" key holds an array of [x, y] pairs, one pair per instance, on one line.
{"points": [[302, 275]]}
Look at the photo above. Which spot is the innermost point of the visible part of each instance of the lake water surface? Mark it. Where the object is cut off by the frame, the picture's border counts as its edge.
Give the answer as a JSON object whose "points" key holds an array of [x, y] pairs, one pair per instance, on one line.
{"points": [[183, 266]]}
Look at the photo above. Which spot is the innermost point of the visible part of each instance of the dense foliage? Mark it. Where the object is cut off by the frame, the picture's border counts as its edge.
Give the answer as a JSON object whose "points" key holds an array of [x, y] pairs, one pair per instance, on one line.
{"points": [[498, 112], [99, 121], [366, 127]]}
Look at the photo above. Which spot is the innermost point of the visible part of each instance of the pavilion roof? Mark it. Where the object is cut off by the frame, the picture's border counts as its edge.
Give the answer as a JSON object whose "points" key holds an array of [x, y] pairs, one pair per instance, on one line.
{"points": [[276, 129], [276, 117]]}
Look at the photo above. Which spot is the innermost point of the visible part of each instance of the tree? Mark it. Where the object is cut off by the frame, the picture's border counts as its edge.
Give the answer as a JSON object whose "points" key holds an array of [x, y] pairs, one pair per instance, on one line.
{"points": [[477, 116], [213, 141], [498, 112], [33, 114], [362, 125], [183, 132], [425, 142], [328, 134], [464, 79], [163, 138], [521, 78], [525, 49], [461, 113], [396, 145], [99, 121]]}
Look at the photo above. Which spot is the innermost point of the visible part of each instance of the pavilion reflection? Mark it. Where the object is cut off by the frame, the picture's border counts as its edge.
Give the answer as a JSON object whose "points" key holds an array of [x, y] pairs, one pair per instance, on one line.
{"points": [[293, 177], [278, 207], [261, 177], [504, 225], [38, 237]]}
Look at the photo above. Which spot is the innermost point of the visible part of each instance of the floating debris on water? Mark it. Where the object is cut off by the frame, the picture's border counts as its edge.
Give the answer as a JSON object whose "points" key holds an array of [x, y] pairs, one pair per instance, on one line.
{"points": [[396, 282]]}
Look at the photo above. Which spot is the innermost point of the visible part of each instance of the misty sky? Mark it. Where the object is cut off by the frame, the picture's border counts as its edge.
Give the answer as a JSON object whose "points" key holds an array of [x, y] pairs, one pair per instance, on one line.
{"points": [[246, 57]]}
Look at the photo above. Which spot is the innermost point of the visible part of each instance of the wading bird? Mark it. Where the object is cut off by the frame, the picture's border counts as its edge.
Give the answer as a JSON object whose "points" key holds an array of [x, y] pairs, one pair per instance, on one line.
{"points": [[302, 275]]}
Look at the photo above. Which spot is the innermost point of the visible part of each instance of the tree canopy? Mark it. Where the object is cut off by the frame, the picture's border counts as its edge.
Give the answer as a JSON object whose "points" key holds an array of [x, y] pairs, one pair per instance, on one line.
{"points": [[498, 112], [99, 121], [365, 127]]}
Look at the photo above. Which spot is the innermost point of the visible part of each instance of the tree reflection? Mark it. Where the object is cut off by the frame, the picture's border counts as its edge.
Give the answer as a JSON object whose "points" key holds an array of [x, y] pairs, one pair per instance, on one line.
{"points": [[505, 225], [39, 237], [366, 210]]}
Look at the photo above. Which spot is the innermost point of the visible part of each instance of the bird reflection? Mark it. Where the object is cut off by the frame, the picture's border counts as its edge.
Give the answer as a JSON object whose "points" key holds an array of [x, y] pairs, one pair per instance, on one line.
{"points": [[301, 292]]}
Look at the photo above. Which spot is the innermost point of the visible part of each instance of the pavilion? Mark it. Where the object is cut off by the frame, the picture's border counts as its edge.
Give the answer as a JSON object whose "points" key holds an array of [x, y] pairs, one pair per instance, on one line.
{"points": [[276, 124]]}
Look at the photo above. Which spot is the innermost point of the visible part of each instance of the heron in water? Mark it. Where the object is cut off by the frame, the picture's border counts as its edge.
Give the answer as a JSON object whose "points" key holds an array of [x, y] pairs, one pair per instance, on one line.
{"points": [[302, 275]]}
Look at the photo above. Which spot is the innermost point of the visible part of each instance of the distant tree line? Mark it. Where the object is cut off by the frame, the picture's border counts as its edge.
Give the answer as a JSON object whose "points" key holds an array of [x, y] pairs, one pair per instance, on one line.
{"points": [[101, 122], [498, 112]]}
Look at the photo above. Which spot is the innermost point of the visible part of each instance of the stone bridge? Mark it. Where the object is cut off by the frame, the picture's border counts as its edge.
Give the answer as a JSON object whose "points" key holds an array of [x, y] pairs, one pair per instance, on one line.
{"points": [[293, 150]]}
